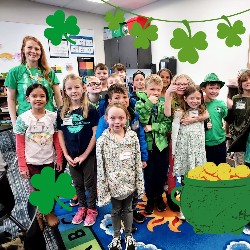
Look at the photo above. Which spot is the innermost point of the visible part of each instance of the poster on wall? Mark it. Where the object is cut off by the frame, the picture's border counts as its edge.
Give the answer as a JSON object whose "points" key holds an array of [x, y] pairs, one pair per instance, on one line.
{"points": [[84, 45], [85, 66], [59, 51]]}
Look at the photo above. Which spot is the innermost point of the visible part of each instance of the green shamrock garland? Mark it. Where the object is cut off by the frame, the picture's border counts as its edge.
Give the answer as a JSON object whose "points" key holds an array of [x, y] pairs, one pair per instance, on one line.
{"points": [[61, 27], [50, 190], [188, 44]]}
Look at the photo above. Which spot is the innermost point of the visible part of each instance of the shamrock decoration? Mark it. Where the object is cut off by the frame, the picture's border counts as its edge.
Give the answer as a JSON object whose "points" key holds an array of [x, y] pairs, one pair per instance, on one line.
{"points": [[231, 33], [61, 27], [114, 20], [144, 34], [50, 190], [188, 44]]}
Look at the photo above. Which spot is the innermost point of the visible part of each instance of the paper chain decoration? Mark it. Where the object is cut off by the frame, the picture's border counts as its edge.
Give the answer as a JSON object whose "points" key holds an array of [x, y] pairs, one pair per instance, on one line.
{"points": [[187, 43]]}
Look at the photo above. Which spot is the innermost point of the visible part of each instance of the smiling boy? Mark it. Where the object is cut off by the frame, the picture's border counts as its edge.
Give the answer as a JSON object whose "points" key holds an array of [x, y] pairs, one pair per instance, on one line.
{"points": [[216, 150]]}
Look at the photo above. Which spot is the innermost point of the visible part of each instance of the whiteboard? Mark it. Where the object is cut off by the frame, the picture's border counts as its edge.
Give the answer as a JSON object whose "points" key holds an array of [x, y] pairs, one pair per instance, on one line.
{"points": [[11, 38]]}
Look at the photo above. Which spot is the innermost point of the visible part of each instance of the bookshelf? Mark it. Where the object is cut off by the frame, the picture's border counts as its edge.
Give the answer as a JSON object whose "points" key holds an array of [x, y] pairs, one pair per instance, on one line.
{"points": [[4, 112]]}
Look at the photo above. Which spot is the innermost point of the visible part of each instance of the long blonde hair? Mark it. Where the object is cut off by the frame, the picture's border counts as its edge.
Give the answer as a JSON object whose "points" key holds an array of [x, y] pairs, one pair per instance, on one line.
{"points": [[42, 61], [67, 101]]}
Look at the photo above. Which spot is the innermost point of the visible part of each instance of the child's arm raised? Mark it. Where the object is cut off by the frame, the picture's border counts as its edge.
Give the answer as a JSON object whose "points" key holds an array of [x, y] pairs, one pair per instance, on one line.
{"points": [[168, 99], [80, 159]]}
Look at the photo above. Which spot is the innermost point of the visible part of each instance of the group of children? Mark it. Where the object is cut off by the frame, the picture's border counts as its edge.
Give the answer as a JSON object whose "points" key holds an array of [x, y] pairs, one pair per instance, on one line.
{"points": [[120, 140]]}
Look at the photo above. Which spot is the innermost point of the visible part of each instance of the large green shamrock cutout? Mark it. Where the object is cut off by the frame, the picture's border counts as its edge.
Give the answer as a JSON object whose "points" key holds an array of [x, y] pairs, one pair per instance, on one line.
{"points": [[143, 34], [231, 33], [50, 190], [188, 44], [114, 20], [61, 28]]}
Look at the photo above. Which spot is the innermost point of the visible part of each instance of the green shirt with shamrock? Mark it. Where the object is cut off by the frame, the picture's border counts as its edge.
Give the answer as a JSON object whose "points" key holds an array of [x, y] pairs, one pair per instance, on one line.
{"points": [[18, 78]]}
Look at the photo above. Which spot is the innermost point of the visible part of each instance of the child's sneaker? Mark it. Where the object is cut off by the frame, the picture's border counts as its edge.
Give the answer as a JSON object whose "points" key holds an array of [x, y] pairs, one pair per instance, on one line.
{"points": [[130, 243], [74, 202], [115, 244], [90, 217], [80, 215], [138, 217]]}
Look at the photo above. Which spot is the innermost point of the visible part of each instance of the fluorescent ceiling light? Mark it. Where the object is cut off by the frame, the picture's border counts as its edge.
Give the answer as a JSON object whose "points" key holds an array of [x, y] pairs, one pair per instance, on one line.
{"points": [[96, 1]]}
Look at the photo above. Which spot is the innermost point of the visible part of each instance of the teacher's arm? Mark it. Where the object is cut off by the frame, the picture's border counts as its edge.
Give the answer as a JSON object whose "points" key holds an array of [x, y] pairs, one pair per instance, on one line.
{"points": [[11, 99], [57, 95]]}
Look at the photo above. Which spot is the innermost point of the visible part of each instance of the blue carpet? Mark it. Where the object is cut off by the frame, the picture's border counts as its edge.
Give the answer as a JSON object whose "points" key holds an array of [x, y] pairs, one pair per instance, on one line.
{"points": [[161, 231]]}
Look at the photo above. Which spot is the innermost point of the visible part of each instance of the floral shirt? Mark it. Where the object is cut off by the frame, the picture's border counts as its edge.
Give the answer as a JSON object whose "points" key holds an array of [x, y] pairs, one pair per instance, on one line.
{"points": [[119, 167]]}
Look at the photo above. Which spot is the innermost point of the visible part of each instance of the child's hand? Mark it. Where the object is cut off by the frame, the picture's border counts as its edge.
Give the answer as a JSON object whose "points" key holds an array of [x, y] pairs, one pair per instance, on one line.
{"points": [[80, 159], [59, 167], [187, 120], [209, 125], [171, 89], [25, 174], [144, 164], [153, 99], [70, 161], [148, 128]]}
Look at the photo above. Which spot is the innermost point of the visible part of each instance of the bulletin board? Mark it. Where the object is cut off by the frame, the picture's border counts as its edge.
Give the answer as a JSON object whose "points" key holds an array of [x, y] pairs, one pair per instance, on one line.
{"points": [[11, 38]]}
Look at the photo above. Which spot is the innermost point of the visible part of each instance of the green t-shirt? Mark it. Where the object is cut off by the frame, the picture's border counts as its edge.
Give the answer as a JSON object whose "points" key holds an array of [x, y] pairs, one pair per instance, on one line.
{"points": [[217, 110], [18, 79]]}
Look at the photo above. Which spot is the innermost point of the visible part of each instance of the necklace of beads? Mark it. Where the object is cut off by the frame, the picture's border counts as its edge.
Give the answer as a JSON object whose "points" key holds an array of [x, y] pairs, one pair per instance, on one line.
{"points": [[37, 78]]}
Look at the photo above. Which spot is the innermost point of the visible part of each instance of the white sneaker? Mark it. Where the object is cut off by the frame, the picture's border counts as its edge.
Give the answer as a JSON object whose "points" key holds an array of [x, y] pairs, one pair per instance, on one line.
{"points": [[115, 244], [130, 243]]}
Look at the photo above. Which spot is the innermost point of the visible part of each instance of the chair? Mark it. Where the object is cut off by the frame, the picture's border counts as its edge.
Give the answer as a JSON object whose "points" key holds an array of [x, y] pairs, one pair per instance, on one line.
{"points": [[33, 236]]}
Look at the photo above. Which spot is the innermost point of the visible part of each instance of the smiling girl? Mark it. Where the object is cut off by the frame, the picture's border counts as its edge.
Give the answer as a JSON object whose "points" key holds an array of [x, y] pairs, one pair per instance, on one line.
{"points": [[36, 137], [119, 171], [77, 122], [190, 146]]}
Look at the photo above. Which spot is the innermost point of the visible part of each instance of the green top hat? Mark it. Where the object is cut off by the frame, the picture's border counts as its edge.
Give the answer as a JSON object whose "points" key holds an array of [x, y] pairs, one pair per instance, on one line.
{"points": [[212, 78]]}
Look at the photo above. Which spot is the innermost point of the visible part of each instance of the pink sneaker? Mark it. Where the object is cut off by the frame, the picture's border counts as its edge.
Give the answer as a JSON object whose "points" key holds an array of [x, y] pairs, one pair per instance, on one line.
{"points": [[90, 217], [80, 215]]}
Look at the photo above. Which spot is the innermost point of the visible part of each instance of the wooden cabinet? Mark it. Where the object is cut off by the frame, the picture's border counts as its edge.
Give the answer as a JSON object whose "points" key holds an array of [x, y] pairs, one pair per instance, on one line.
{"points": [[122, 50], [4, 113]]}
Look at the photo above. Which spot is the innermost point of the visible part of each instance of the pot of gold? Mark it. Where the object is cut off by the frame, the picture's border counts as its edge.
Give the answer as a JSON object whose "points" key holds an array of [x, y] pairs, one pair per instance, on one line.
{"points": [[215, 199]]}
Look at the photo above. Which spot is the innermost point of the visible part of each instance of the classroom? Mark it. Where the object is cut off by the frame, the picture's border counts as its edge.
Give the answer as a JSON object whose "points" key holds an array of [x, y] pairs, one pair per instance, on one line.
{"points": [[107, 55]]}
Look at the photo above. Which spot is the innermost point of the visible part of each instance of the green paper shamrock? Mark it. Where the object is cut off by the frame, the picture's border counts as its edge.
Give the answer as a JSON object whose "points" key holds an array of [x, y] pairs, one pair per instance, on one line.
{"points": [[143, 35], [231, 33], [50, 190], [188, 44], [114, 20], [61, 27]]}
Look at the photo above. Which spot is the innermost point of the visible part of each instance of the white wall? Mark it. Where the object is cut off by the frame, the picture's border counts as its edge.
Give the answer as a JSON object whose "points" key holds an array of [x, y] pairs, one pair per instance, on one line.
{"points": [[27, 12], [217, 58]]}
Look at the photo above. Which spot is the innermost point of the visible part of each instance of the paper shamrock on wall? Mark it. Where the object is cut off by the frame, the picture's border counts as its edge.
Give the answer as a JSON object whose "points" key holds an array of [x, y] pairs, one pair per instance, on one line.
{"points": [[188, 44], [231, 32], [114, 20], [50, 190], [143, 34], [61, 28]]}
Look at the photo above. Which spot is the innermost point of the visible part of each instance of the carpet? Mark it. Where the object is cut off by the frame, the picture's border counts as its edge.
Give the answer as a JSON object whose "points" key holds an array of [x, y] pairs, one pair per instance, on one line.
{"points": [[160, 231]]}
